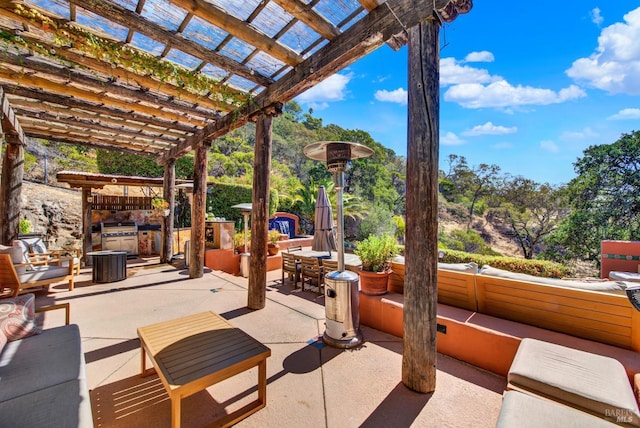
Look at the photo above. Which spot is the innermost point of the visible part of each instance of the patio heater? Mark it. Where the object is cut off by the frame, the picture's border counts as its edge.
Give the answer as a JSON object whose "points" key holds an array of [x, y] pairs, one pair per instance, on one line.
{"points": [[244, 257], [342, 301]]}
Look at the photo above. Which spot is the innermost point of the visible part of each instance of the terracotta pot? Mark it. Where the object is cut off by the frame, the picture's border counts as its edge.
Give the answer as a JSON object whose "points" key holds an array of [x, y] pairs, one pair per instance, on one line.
{"points": [[374, 283], [272, 249]]}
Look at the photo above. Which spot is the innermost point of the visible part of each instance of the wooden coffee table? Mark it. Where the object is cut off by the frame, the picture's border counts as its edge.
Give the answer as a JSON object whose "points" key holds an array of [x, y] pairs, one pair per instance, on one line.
{"points": [[194, 352]]}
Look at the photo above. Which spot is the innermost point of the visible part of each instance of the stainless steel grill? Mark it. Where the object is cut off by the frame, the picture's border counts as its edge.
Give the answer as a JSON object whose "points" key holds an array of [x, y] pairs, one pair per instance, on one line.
{"points": [[120, 237]]}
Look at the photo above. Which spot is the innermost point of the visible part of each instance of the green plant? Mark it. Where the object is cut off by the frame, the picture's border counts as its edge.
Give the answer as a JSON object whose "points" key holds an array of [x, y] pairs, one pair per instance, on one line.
{"points": [[376, 252], [238, 239], [24, 226], [273, 237], [159, 204]]}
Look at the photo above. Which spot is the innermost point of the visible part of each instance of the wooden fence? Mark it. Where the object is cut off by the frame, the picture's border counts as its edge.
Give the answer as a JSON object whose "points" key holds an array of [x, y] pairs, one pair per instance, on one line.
{"points": [[121, 203]]}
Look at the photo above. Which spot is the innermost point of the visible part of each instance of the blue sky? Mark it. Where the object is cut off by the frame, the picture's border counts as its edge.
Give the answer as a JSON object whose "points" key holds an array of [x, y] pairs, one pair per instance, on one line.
{"points": [[526, 86]]}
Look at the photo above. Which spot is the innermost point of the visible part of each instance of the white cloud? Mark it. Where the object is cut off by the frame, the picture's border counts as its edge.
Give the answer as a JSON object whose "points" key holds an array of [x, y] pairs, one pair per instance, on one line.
{"points": [[626, 114], [333, 88], [585, 134], [549, 146], [615, 65], [596, 18], [503, 94], [453, 73], [482, 56], [451, 139], [489, 129], [396, 96]]}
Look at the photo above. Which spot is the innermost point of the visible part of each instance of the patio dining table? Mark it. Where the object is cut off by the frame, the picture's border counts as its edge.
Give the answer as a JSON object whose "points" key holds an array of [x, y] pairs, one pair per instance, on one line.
{"points": [[351, 261]]}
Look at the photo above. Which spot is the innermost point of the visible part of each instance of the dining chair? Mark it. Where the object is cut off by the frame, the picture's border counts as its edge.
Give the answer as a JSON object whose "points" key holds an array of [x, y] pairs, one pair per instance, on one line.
{"points": [[290, 266], [311, 270], [329, 266]]}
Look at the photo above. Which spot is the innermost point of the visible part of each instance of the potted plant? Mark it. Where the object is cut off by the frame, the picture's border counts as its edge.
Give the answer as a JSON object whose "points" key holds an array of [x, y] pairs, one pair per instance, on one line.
{"points": [[272, 246], [160, 205], [238, 242], [375, 253]]}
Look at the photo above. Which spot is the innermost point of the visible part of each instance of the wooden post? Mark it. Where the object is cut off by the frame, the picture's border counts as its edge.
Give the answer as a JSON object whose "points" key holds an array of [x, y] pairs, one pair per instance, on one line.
{"points": [[260, 213], [198, 210], [87, 226], [421, 249], [169, 193], [11, 187]]}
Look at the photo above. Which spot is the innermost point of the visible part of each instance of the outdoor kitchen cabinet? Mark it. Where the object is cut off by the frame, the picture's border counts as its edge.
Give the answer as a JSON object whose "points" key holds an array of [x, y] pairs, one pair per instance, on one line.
{"points": [[219, 234]]}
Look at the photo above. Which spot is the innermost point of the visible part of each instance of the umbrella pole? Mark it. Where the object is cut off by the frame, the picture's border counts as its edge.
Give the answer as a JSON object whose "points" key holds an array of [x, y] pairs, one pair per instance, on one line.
{"points": [[338, 179]]}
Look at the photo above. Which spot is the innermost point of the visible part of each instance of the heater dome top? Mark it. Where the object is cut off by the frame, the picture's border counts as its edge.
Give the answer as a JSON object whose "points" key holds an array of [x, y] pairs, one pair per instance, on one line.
{"points": [[332, 152]]}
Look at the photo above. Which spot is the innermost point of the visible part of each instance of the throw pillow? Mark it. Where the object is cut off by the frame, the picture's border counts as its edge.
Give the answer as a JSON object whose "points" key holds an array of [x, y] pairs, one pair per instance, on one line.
{"points": [[14, 252], [18, 318]]}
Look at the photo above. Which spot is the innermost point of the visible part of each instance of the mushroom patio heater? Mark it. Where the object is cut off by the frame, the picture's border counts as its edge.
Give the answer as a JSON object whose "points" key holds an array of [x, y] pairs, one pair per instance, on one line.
{"points": [[244, 257], [342, 301]]}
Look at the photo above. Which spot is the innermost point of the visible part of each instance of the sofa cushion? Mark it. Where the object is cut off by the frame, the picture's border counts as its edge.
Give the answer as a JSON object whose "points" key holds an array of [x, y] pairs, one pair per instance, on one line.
{"points": [[14, 251], [43, 272], [37, 362], [17, 318], [579, 379], [584, 285], [459, 267], [63, 405], [525, 411]]}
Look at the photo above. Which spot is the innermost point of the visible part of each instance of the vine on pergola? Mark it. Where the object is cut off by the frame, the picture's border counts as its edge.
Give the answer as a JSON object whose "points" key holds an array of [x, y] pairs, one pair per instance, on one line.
{"points": [[140, 62]]}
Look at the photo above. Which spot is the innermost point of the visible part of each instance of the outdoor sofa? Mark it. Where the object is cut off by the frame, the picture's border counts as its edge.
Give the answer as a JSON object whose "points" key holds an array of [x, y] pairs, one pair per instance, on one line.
{"points": [[42, 372]]}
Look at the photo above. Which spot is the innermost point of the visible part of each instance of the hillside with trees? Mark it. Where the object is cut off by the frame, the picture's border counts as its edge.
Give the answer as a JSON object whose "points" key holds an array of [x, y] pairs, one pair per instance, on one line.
{"points": [[481, 210]]}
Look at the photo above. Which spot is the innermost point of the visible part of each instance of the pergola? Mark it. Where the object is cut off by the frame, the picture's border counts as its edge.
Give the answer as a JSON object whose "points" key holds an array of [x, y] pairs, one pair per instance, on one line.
{"points": [[161, 78]]}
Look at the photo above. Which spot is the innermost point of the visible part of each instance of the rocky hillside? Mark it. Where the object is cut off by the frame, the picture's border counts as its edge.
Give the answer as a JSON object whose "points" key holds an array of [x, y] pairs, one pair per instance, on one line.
{"points": [[54, 212]]}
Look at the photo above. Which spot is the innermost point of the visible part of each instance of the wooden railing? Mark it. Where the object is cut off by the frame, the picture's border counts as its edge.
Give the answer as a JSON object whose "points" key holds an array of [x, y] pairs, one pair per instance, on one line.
{"points": [[121, 203]]}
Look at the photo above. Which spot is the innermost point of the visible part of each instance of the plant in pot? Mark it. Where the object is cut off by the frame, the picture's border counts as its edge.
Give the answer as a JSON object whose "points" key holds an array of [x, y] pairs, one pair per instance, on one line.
{"points": [[238, 242], [375, 253], [272, 246]]}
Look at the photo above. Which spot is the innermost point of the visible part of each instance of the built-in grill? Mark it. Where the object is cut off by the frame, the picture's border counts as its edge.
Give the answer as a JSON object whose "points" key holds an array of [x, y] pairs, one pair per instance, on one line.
{"points": [[120, 237]]}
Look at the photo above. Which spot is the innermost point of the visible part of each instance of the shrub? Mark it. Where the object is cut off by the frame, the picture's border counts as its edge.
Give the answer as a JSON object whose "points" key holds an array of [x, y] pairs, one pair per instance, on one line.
{"points": [[376, 252], [541, 268], [24, 226]]}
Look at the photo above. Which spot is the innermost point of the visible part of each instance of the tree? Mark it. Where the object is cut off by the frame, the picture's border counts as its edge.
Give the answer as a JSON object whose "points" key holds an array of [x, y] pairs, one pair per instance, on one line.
{"points": [[604, 197], [531, 210], [472, 183]]}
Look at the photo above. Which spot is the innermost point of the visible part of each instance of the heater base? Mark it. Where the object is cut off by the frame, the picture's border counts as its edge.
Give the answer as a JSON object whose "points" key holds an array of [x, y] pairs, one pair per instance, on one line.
{"points": [[352, 342]]}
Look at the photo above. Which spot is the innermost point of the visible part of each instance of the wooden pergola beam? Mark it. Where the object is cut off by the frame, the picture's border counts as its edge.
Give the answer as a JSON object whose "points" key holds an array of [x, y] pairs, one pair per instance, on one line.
{"points": [[84, 124], [370, 4], [81, 141], [214, 15], [379, 26], [106, 85], [94, 132], [12, 172], [9, 120], [56, 113], [122, 74], [305, 13], [96, 107], [136, 22], [96, 97]]}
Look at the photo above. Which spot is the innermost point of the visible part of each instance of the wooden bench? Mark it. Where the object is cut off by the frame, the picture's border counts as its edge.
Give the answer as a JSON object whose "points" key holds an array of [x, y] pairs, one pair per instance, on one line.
{"points": [[197, 351]]}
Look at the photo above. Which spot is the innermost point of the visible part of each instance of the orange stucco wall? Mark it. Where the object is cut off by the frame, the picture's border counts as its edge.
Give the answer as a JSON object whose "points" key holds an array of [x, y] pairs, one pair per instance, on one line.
{"points": [[619, 256], [482, 340], [228, 261]]}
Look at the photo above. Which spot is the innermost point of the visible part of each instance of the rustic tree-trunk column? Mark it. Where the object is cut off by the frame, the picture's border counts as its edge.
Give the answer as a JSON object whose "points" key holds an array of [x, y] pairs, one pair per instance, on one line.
{"points": [[169, 193], [87, 226], [421, 249], [260, 213], [198, 210], [11, 187]]}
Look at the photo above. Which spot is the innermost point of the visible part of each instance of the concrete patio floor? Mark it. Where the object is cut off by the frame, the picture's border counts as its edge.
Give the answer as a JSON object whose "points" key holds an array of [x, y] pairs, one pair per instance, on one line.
{"points": [[308, 384]]}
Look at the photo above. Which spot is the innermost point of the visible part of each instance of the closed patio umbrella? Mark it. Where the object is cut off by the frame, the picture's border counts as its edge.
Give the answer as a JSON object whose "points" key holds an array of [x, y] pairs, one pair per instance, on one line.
{"points": [[323, 237]]}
